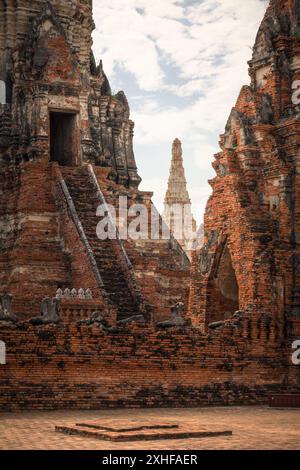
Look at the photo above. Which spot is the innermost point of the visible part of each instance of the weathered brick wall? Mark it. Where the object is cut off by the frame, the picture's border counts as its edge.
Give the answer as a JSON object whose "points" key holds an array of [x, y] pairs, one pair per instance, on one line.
{"points": [[77, 366], [33, 256]]}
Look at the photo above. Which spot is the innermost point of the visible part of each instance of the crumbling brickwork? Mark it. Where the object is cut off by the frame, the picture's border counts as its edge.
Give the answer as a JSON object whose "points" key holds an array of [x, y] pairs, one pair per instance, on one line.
{"points": [[81, 366], [250, 259], [92, 323]]}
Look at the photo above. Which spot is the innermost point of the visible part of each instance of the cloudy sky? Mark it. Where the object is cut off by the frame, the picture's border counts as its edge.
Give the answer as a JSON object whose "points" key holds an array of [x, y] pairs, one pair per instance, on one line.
{"points": [[181, 64]]}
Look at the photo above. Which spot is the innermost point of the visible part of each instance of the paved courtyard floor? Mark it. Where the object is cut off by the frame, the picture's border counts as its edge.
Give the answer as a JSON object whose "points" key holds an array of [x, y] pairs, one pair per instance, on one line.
{"points": [[253, 428]]}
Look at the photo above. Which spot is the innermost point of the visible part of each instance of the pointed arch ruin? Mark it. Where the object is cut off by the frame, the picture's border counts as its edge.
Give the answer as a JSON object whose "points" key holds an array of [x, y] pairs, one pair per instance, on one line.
{"points": [[222, 287]]}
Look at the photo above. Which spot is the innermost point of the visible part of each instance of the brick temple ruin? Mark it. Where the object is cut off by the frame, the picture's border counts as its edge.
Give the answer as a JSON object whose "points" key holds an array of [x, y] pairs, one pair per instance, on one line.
{"points": [[59, 117], [90, 323]]}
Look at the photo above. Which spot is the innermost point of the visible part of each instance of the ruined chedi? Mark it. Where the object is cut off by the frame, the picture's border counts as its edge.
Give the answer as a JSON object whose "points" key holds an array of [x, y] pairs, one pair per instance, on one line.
{"points": [[63, 136], [177, 206], [250, 258]]}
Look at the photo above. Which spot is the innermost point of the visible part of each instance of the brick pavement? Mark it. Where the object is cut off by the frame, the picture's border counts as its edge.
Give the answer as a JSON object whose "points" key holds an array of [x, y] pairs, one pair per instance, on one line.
{"points": [[253, 428]]}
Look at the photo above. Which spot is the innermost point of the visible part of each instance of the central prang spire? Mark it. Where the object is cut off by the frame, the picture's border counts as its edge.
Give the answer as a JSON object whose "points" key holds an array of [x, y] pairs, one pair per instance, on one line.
{"points": [[177, 192], [178, 209]]}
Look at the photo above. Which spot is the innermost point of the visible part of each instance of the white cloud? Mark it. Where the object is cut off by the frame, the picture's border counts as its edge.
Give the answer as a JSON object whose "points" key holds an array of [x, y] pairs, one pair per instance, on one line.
{"points": [[193, 60]]}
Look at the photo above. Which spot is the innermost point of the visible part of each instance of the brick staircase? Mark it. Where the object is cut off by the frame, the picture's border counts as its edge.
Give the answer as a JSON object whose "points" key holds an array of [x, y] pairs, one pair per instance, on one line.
{"points": [[161, 267], [106, 252]]}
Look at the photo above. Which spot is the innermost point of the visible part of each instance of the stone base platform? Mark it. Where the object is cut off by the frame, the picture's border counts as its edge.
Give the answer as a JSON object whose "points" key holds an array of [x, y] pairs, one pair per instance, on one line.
{"points": [[131, 430]]}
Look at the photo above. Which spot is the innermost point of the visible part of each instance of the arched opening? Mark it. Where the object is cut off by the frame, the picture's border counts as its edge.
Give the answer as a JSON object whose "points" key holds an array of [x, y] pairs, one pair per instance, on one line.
{"points": [[2, 92], [222, 290]]}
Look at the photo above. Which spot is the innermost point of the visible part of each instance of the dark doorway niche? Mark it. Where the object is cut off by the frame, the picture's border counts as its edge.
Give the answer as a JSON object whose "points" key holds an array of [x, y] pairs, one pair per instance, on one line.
{"points": [[223, 290], [63, 138]]}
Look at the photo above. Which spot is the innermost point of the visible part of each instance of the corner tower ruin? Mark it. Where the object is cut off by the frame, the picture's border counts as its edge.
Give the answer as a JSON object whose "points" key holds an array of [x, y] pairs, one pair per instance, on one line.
{"points": [[59, 104], [250, 260]]}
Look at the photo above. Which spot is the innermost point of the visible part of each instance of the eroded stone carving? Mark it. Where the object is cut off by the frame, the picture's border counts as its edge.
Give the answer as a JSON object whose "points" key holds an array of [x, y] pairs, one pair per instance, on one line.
{"points": [[49, 312], [67, 294], [96, 317], [134, 319], [74, 294], [5, 308], [88, 294], [81, 294], [59, 294], [177, 319]]}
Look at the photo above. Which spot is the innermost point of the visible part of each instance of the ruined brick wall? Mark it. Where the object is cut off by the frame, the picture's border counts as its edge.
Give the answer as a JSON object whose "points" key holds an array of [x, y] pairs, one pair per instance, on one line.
{"points": [[41, 250], [253, 212], [77, 366], [33, 260]]}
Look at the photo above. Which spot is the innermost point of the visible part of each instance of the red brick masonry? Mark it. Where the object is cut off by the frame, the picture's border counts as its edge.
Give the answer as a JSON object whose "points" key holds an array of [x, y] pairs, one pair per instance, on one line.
{"points": [[72, 366]]}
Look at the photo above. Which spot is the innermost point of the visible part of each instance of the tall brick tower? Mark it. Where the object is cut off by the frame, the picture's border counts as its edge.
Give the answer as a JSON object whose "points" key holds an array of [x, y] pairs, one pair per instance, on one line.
{"points": [[178, 207], [63, 135], [250, 259], [55, 89]]}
